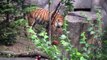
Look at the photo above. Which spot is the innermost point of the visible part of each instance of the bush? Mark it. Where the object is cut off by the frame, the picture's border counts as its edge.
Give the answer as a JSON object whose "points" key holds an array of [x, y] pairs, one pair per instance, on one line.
{"points": [[7, 34]]}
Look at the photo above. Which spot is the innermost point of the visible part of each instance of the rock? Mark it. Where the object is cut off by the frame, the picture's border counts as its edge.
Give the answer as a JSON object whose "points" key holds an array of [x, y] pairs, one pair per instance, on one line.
{"points": [[104, 19], [82, 3], [22, 48], [39, 3], [53, 6], [78, 24], [80, 16]]}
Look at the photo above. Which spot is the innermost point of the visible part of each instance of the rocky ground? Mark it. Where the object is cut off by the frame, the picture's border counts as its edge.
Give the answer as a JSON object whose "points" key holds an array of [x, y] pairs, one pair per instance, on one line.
{"points": [[22, 48]]}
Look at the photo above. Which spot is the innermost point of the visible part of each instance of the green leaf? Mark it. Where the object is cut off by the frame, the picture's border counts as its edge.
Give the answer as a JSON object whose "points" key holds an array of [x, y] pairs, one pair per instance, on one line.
{"points": [[30, 30], [45, 37], [90, 29], [82, 58], [56, 49], [82, 41], [92, 32], [41, 34], [63, 36], [64, 43], [78, 53], [83, 34], [87, 45], [33, 37]]}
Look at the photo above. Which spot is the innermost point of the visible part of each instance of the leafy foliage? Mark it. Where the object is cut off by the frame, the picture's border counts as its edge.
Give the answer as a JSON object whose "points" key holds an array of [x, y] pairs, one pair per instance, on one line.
{"points": [[8, 32], [7, 36]]}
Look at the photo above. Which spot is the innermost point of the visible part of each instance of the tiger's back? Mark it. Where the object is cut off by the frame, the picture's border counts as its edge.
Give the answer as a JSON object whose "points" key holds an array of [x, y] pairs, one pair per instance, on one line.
{"points": [[38, 16]]}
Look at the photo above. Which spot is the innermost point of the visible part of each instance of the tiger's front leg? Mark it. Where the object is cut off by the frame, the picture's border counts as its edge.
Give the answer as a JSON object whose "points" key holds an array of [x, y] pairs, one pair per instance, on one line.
{"points": [[31, 21]]}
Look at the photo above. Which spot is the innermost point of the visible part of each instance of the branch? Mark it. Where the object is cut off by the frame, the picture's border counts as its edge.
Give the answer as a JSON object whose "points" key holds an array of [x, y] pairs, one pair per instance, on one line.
{"points": [[51, 18], [53, 15]]}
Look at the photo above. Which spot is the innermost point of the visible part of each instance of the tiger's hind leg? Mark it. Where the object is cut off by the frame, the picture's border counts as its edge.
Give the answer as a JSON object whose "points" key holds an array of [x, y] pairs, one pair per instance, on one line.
{"points": [[34, 24]]}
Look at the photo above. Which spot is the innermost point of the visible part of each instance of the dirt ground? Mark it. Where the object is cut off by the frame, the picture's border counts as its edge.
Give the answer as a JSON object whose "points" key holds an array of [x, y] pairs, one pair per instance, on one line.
{"points": [[22, 45]]}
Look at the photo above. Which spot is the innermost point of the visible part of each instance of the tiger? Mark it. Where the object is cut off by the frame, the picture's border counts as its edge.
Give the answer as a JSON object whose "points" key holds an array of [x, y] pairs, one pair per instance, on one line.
{"points": [[41, 16]]}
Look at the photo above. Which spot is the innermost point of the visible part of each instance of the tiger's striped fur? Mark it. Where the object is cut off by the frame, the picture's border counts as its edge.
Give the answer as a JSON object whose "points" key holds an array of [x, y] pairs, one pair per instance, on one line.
{"points": [[41, 16]]}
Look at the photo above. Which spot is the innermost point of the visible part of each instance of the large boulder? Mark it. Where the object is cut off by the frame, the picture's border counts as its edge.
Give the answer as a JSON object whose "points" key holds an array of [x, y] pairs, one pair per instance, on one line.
{"points": [[77, 24]]}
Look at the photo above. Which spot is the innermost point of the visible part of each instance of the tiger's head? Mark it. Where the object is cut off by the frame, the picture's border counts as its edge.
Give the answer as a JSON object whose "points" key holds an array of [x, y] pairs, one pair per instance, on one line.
{"points": [[57, 21]]}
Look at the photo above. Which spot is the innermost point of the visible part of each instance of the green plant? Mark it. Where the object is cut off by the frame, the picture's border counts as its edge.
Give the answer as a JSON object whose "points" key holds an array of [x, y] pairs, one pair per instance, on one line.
{"points": [[8, 32], [93, 51], [7, 36], [86, 48]]}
